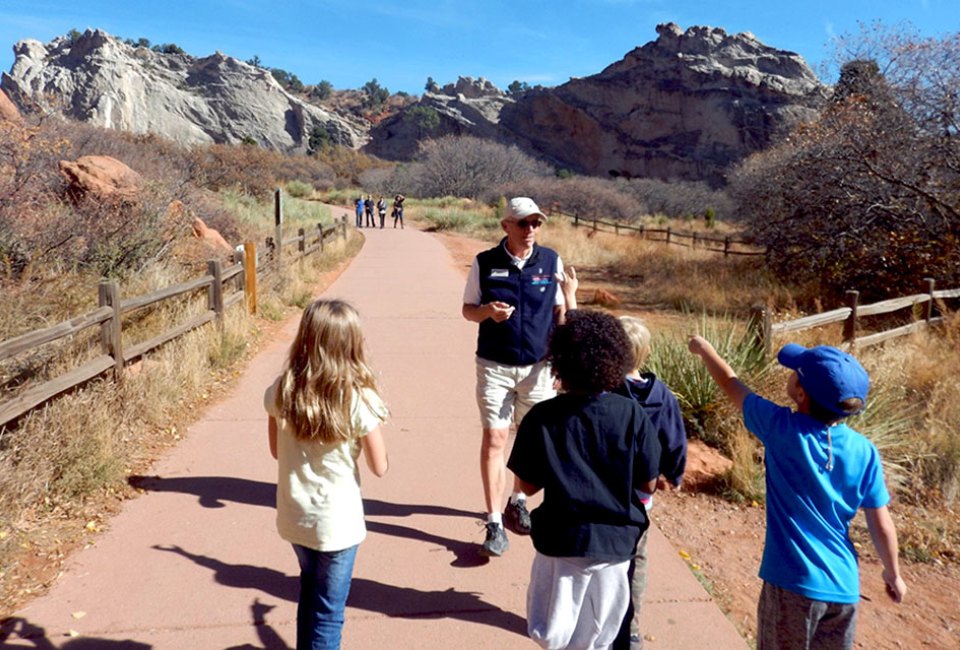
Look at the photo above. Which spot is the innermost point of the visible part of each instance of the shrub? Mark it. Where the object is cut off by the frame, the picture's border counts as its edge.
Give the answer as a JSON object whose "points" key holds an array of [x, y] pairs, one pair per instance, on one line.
{"points": [[299, 189]]}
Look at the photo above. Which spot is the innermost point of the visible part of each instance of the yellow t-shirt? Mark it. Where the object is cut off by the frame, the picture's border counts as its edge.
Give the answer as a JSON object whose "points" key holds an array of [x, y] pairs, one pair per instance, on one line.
{"points": [[318, 484]]}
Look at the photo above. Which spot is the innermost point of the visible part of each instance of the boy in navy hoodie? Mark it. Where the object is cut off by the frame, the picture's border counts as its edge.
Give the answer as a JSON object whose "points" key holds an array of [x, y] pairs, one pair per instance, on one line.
{"points": [[662, 408]]}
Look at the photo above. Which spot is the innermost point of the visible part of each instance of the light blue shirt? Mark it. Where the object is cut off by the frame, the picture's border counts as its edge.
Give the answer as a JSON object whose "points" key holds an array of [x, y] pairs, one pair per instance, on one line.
{"points": [[817, 479]]}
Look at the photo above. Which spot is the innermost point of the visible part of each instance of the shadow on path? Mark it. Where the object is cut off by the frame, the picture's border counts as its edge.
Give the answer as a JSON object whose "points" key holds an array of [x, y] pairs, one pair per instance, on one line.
{"points": [[20, 628], [212, 491], [266, 634], [369, 595]]}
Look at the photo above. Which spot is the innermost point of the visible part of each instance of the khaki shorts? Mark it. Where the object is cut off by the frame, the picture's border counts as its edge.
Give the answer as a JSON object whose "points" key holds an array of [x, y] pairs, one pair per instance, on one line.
{"points": [[506, 393]]}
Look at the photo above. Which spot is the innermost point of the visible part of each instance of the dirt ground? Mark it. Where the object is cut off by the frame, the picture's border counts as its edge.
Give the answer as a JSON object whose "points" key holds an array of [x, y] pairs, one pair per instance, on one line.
{"points": [[723, 541]]}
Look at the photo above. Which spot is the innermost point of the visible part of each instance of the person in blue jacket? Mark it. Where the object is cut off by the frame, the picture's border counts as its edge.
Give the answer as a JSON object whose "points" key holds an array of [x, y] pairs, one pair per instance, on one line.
{"points": [[514, 292], [661, 406]]}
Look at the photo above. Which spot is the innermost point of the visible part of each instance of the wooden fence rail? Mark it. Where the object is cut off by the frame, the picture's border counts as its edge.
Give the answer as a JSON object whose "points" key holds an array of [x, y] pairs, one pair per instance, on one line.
{"points": [[224, 286], [764, 329], [670, 236]]}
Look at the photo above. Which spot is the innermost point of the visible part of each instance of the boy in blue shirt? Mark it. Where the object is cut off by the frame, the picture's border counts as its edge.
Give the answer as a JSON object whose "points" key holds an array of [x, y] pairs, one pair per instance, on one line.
{"points": [[594, 454], [819, 473], [661, 406]]}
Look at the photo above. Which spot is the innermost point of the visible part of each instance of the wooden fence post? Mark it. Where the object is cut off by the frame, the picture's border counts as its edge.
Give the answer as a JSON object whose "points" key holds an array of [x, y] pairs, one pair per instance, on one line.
{"points": [[110, 330], [250, 276], [594, 225], [726, 246], [320, 234], [576, 220], [669, 230], [215, 291], [931, 304], [616, 228], [850, 325], [643, 234], [761, 326], [343, 222], [693, 242], [278, 227]]}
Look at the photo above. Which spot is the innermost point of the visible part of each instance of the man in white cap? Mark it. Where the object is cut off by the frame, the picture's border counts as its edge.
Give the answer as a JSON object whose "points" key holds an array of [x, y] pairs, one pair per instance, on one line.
{"points": [[517, 292]]}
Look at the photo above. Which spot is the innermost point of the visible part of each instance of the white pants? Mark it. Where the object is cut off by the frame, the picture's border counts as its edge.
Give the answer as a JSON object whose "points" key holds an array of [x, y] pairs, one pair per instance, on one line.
{"points": [[576, 603]]}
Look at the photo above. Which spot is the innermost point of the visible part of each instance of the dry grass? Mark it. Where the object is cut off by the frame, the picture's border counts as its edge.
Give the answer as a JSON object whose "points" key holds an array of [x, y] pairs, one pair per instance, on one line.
{"points": [[64, 464]]}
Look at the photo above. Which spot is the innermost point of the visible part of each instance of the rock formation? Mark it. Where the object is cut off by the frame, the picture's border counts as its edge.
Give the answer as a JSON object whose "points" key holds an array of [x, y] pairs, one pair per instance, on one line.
{"points": [[101, 178], [684, 106], [468, 107], [102, 80], [8, 110]]}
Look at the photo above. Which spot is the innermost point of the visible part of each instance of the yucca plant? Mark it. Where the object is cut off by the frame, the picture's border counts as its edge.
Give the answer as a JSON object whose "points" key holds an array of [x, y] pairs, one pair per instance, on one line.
{"points": [[699, 396]]}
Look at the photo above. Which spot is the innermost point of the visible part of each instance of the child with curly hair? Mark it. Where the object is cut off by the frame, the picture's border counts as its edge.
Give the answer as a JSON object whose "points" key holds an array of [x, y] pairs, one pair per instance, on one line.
{"points": [[594, 454]]}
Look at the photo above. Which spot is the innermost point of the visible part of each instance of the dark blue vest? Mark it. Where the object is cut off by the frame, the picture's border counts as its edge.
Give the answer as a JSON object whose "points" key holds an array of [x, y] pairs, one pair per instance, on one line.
{"points": [[521, 340]]}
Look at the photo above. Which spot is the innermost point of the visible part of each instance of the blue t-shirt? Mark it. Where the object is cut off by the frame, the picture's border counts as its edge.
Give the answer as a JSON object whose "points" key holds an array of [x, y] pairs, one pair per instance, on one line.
{"points": [[815, 485]]}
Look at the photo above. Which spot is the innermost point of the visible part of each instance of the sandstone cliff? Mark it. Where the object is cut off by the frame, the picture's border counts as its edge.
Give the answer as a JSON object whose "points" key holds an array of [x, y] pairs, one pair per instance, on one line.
{"points": [[684, 106], [102, 80]]}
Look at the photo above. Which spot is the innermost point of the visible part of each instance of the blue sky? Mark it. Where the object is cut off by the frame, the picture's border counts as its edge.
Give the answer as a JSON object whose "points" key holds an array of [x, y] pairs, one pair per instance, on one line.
{"points": [[402, 42]]}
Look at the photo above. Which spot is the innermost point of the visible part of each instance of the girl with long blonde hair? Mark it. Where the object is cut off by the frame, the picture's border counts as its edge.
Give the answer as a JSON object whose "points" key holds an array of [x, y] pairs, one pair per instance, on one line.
{"points": [[324, 409]]}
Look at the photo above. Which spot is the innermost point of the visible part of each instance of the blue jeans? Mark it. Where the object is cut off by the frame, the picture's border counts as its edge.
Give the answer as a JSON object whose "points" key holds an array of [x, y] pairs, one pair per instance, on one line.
{"points": [[324, 587]]}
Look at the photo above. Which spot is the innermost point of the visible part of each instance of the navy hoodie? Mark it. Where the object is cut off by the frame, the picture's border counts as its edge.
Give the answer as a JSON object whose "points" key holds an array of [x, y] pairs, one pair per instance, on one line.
{"points": [[662, 408]]}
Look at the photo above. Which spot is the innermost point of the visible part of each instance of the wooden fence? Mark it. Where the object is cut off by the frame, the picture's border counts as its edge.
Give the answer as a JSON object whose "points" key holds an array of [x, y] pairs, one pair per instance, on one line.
{"points": [[701, 241], [852, 314], [225, 286]]}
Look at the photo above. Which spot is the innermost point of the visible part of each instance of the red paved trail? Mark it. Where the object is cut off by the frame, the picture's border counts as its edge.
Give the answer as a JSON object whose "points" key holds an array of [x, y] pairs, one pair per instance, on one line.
{"points": [[197, 563]]}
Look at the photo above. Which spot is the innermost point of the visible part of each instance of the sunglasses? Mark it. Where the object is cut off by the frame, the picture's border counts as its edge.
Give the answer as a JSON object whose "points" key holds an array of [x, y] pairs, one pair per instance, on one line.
{"points": [[533, 225]]}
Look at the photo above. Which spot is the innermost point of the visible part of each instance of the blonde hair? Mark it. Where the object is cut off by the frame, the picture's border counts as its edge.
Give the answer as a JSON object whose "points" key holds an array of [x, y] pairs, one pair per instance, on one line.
{"points": [[639, 336], [324, 372]]}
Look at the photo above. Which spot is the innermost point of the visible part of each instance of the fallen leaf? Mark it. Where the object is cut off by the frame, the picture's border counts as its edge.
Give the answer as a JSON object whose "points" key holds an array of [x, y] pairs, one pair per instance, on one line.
{"points": [[684, 554], [78, 615], [72, 633]]}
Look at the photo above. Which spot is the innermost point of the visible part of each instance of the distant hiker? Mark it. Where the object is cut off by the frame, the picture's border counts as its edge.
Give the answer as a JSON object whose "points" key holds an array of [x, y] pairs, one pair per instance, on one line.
{"points": [[398, 210], [359, 204], [324, 409], [382, 210], [514, 293], [368, 208]]}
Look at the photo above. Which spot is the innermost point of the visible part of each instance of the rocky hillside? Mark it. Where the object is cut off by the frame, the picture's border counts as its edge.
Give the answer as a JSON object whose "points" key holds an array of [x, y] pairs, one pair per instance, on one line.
{"points": [[685, 106], [100, 79]]}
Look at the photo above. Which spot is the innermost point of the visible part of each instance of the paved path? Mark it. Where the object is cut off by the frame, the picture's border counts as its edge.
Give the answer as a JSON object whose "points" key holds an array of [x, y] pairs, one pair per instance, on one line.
{"points": [[196, 562]]}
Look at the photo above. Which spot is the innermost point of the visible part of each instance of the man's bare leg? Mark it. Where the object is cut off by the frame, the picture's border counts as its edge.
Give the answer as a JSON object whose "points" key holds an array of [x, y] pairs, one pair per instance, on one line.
{"points": [[493, 468]]}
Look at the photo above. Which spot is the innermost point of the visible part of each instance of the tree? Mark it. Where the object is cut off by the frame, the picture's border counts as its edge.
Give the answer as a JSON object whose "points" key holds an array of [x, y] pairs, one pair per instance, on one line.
{"points": [[376, 95], [431, 86], [288, 80], [255, 61], [517, 88], [323, 90], [467, 166], [865, 197], [424, 118], [319, 139]]}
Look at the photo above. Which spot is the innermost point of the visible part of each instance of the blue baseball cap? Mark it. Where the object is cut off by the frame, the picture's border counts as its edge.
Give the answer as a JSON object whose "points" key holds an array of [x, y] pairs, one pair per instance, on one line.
{"points": [[828, 375]]}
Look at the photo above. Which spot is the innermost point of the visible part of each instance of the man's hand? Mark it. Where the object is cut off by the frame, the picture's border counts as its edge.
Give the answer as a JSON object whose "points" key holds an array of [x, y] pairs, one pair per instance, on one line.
{"points": [[568, 286], [499, 311]]}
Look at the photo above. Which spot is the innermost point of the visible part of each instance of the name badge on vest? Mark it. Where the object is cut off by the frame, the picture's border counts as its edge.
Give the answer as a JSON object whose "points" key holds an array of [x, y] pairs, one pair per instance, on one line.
{"points": [[499, 273]]}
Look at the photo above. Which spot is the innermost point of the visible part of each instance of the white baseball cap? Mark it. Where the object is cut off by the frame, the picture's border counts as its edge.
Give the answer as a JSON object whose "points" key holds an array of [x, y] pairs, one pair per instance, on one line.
{"points": [[521, 208]]}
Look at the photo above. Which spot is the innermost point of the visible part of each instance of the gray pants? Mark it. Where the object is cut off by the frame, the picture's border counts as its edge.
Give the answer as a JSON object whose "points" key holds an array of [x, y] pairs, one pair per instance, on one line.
{"points": [[789, 621]]}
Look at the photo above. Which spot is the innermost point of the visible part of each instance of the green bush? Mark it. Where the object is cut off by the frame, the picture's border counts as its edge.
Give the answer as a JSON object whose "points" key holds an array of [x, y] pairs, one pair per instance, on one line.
{"points": [[299, 189]]}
